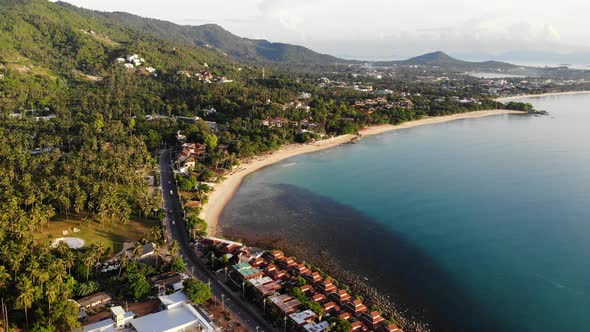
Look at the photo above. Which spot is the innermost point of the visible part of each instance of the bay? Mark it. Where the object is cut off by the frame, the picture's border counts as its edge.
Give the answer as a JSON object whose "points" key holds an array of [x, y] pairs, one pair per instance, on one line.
{"points": [[474, 224]]}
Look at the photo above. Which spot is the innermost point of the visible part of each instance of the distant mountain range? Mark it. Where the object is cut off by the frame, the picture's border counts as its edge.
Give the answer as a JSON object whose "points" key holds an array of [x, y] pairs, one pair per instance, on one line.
{"points": [[215, 37], [443, 60]]}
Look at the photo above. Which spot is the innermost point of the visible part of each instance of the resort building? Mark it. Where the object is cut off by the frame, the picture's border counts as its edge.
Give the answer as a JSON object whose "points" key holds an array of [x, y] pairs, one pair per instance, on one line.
{"points": [[330, 308], [319, 298], [326, 287], [345, 316], [276, 255], [389, 328], [356, 308], [306, 289], [287, 262], [341, 297], [313, 278], [372, 319], [358, 326], [299, 269]]}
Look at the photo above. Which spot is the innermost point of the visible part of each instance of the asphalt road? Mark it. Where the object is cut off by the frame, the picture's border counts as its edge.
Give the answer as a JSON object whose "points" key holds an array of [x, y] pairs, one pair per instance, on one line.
{"points": [[177, 231]]}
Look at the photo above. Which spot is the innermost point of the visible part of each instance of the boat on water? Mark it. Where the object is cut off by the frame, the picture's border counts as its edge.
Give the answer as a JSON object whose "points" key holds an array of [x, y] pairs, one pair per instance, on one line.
{"points": [[355, 139]]}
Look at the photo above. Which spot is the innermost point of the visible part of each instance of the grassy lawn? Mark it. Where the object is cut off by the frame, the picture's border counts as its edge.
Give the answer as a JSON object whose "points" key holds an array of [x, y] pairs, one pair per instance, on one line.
{"points": [[112, 236]]}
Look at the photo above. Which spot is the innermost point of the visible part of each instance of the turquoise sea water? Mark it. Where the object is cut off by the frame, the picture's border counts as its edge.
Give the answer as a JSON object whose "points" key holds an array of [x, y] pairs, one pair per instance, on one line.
{"points": [[477, 224]]}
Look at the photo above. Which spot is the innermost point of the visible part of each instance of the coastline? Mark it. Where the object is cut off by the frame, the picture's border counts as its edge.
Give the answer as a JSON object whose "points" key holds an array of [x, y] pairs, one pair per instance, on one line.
{"points": [[503, 99], [225, 190]]}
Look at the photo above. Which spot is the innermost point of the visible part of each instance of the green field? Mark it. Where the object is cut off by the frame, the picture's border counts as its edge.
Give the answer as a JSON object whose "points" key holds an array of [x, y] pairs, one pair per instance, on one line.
{"points": [[112, 236]]}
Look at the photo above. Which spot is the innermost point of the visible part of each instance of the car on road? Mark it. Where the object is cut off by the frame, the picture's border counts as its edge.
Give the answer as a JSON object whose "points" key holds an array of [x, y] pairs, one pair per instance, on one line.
{"points": [[171, 192], [173, 222], [170, 211], [168, 182]]}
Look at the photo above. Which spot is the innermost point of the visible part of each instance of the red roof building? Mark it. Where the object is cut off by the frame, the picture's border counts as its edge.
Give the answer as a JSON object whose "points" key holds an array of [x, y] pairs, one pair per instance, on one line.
{"points": [[276, 254], [341, 297], [258, 262], [287, 262], [344, 316], [372, 319], [307, 289], [319, 298], [357, 326], [300, 269], [356, 308], [330, 308], [389, 328], [326, 287], [313, 278]]}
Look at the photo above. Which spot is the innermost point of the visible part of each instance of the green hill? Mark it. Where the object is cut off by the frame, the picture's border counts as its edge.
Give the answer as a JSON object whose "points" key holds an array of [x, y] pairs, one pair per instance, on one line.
{"points": [[42, 37], [215, 37]]}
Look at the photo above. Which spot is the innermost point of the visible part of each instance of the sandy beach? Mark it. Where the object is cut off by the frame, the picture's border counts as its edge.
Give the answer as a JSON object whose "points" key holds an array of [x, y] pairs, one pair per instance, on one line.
{"points": [[504, 99], [224, 191]]}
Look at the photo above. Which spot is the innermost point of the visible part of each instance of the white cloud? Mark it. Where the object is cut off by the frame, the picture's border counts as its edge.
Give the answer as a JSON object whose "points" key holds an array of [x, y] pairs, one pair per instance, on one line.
{"points": [[381, 27]]}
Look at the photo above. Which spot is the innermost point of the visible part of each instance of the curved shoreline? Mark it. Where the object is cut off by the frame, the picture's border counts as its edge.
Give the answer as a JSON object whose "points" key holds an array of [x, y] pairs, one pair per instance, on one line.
{"points": [[551, 94], [225, 190]]}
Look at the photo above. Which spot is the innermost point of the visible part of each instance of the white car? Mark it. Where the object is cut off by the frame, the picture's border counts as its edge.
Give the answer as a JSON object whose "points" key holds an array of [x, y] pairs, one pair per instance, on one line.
{"points": [[171, 192], [173, 222]]}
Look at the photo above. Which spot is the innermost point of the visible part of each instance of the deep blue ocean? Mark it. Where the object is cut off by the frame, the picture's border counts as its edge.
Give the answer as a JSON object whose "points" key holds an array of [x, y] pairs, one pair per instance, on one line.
{"points": [[478, 224]]}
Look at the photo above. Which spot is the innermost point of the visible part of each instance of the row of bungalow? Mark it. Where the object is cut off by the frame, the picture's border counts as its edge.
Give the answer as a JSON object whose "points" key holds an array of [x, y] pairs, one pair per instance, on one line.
{"points": [[268, 273]]}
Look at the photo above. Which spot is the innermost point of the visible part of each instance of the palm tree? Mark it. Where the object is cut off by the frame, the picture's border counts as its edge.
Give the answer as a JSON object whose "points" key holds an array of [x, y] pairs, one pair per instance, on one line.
{"points": [[123, 262], [51, 292], [156, 252], [26, 297], [4, 277], [69, 260], [58, 271], [33, 270], [88, 261], [174, 248]]}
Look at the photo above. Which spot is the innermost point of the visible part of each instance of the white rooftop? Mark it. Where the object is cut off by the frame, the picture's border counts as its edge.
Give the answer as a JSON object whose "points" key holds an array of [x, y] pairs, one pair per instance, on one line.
{"points": [[172, 320], [178, 286], [118, 311], [173, 299], [300, 317], [106, 325], [260, 281]]}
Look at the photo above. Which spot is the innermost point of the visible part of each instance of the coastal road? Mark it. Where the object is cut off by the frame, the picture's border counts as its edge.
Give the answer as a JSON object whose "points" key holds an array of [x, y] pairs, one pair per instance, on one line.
{"points": [[176, 230]]}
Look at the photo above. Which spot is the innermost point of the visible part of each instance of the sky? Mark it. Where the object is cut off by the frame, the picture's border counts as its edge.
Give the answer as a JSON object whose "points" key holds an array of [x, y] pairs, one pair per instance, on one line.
{"points": [[380, 29]]}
